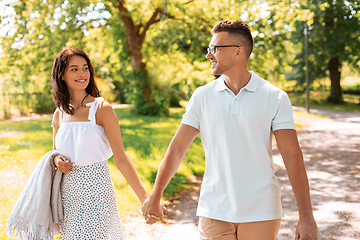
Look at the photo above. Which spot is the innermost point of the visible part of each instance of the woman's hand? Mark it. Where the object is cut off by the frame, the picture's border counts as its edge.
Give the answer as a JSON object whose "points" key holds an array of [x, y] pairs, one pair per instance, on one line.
{"points": [[153, 212], [62, 163]]}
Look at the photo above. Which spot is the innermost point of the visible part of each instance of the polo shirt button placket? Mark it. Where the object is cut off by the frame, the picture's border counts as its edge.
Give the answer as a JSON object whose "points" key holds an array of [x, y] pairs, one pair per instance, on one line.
{"points": [[234, 105]]}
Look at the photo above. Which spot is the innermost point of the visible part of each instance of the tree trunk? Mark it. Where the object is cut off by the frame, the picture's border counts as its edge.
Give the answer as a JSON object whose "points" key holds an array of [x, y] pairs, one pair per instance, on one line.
{"points": [[135, 40], [334, 69], [144, 102]]}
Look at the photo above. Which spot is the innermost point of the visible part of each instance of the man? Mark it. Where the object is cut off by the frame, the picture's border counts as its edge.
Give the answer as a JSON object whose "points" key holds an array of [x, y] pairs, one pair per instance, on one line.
{"points": [[236, 116]]}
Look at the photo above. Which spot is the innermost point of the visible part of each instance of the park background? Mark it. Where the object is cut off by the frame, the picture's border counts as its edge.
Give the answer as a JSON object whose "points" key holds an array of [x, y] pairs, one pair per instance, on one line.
{"points": [[151, 56]]}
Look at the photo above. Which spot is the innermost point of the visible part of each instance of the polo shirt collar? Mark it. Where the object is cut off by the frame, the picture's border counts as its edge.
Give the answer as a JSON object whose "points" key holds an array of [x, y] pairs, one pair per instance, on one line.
{"points": [[251, 86], [253, 83], [220, 84]]}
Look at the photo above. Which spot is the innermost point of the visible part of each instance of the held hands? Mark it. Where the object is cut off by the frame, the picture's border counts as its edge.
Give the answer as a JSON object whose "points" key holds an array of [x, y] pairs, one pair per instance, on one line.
{"points": [[62, 163], [153, 211]]}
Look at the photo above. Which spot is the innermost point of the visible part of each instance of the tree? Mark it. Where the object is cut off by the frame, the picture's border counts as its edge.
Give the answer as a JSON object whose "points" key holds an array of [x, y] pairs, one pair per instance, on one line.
{"points": [[149, 49], [41, 28], [334, 38], [138, 17], [271, 29]]}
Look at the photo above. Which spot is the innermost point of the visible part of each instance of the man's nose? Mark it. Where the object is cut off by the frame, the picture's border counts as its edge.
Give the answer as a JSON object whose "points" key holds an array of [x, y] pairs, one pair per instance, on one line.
{"points": [[209, 55]]}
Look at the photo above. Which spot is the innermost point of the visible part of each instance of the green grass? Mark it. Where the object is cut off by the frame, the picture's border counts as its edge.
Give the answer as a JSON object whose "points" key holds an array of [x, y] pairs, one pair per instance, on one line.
{"points": [[304, 119], [145, 139], [22, 144], [318, 101]]}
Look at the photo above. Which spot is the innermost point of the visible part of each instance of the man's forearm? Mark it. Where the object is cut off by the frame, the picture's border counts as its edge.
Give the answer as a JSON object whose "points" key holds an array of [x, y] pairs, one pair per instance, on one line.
{"points": [[294, 162], [300, 184], [167, 169], [173, 158]]}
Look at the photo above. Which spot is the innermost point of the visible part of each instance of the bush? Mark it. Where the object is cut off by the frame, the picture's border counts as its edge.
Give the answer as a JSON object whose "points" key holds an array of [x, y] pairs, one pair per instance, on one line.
{"points": [[335, 100], [44, 103], [22, 104], [354, 89], [156, 105]]}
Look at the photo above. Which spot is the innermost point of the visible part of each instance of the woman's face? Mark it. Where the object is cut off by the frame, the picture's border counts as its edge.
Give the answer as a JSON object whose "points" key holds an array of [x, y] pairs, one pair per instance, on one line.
{"points": [[77, 74]]}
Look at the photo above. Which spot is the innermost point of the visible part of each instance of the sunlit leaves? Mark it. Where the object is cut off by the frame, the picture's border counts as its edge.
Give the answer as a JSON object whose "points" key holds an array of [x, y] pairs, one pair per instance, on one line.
{"points": [[334, 31], [177, 40]]}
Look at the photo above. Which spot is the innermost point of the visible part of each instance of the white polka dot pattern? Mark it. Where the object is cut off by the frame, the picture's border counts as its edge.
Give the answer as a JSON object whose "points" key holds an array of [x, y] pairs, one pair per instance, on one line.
{"points": [[90, 210]]}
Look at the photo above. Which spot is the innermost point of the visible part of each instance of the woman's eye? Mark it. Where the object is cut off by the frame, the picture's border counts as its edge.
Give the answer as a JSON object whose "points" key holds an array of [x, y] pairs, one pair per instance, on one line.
{"points": [[74, 69], [86, 68]]}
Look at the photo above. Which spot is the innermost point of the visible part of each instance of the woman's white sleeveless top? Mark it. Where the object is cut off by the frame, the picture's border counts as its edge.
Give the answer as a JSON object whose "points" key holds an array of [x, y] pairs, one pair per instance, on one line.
{"points": [[83, 143]]}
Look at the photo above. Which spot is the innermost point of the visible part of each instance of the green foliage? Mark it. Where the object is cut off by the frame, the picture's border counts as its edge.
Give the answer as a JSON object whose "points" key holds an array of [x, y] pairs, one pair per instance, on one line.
{"points": [[334, 31], [174, 44], [22, 104], [39, 30], [110, 56], [176, 76], [175, 99], [154, 104], [355, 89]]}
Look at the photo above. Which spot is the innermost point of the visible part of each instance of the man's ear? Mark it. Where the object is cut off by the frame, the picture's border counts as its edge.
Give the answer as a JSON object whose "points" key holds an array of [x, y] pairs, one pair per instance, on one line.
{"points": [[240, 51]]}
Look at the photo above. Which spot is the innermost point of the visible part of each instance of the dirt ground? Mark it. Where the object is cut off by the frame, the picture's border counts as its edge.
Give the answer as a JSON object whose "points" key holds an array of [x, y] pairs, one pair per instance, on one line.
{"points": [[331, 148]]}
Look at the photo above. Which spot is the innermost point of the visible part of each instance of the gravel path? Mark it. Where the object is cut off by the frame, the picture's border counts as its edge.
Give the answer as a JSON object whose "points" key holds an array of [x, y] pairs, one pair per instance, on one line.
{"points": [[331, 148]]}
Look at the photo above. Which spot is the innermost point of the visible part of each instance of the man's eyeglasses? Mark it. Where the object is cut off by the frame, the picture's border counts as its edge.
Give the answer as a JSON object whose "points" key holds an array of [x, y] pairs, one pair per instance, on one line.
{"points": [[213, 49]]}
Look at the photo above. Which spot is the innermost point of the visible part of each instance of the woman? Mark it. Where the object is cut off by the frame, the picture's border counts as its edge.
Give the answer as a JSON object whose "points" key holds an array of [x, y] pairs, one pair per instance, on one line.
{"points": [[86, 132]]}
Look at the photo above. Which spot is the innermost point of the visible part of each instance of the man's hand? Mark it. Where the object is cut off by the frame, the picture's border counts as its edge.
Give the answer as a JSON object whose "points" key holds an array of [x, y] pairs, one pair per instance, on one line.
{"points": [[62, 163], [306, 229], [153, 211]]}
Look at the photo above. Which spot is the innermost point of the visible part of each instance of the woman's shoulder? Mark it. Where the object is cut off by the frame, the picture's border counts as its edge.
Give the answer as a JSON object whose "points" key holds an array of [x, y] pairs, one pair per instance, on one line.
{"points": [[56, 118], [105, 109], [104, 112], [104, 105]]}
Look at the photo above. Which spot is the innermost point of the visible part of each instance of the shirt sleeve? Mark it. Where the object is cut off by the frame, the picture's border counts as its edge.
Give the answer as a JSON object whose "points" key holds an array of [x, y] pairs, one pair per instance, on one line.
{"points": [[284, 116], [191, 115]]}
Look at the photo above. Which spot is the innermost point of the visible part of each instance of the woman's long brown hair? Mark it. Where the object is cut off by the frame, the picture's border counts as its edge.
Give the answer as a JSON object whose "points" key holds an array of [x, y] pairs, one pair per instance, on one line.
{"points": [[61, 94]]}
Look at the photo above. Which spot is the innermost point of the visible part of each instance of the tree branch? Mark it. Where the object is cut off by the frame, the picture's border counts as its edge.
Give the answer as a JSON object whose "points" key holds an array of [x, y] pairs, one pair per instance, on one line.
{"points": [[150, 22], [125, 15], [189, 2], [154, 20]]}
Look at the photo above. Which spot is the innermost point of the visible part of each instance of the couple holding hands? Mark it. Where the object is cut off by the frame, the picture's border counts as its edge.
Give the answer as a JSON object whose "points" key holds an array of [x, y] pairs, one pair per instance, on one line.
{"points": [[236, 115]]}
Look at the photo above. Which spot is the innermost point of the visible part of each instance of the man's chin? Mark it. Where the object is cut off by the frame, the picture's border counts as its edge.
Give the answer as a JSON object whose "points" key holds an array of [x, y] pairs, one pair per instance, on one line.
{"points": [[216, 73]]}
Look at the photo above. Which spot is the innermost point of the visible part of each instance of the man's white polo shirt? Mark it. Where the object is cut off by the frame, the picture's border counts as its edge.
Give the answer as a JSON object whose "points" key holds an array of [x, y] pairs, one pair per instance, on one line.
{"points": [[239, 184]]}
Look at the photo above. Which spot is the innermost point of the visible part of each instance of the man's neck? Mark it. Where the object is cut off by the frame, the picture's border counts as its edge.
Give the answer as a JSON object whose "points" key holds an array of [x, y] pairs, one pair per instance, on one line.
{"points": [[237, 80]]}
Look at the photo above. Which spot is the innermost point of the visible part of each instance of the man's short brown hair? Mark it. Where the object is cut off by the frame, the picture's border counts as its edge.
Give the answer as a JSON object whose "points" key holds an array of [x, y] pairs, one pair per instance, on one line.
{"points": [[239, 30]]}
